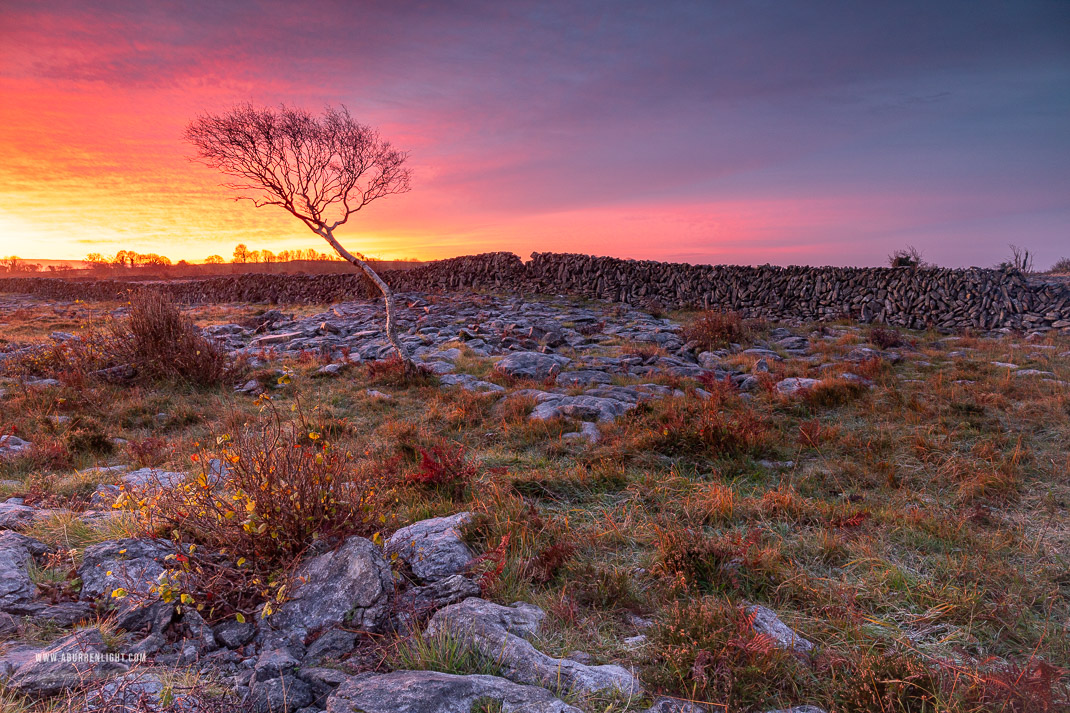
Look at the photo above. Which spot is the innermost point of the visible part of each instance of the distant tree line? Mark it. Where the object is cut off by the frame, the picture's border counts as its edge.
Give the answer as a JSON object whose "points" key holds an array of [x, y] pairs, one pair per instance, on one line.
{"points": [[14, 264]]}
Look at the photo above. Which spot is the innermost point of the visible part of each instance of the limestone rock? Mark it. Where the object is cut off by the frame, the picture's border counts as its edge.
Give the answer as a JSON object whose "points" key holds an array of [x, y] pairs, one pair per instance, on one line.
{"points": [[767, 622], [53, 673], [497, 632], [434, 692], [793, 385], [14, 516], [532, 365], [17, 591], [350, 585], [433, 548]]}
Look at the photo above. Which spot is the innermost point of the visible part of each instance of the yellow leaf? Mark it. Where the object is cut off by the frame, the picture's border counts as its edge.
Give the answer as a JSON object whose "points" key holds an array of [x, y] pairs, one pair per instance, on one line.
{"points": [[241, 561], [118, 593], [240, 617]]}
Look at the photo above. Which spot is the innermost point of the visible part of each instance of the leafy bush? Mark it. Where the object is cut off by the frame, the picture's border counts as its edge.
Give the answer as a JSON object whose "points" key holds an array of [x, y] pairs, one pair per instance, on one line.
{"points": [[283, 491], [155, 341]]}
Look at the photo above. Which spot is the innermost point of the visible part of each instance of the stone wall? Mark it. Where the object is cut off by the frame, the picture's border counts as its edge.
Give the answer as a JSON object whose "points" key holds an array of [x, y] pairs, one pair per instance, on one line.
{"points": [[941, 298]]}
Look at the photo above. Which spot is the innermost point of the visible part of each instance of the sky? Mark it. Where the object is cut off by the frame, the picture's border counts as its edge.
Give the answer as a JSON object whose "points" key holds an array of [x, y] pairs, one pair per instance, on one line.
{"points": [[761, 131]]}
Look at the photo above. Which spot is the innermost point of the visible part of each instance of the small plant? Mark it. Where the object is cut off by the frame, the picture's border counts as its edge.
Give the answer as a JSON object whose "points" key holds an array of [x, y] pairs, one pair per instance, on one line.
{"points": [[441, 651], [394, 372], [714, 329], [1061, 266], [544, 566], [887, 680]]}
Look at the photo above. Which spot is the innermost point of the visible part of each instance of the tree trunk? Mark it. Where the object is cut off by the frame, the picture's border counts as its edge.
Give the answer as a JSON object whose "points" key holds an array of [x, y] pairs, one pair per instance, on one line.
{"points": [[388, 297]]}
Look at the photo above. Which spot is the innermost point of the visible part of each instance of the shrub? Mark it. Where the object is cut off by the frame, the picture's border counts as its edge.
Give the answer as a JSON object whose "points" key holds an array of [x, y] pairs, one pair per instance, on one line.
{"points": [[547, 562], [148, 452], [885, 680], [1021, 260], [69, 361], [604, 588], [162, 343], [714, 329], [444, 468], [392, 372], [707, 650], [829, 393], [284, 491], [883, 338], [1061, 266], [909, 256], [727, 562], [1036, 687], [701, 428]]}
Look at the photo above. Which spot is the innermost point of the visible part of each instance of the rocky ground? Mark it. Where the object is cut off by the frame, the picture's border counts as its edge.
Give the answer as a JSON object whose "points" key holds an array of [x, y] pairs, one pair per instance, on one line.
{"points": [[619, 432]]}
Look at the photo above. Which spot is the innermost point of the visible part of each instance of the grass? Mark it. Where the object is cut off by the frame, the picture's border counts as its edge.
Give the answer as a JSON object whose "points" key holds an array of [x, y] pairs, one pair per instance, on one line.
{"points": [[919, 537]]}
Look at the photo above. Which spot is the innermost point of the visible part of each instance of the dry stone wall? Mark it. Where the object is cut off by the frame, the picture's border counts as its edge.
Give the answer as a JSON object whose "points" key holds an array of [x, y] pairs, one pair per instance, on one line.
{"points": [[941, 298]]}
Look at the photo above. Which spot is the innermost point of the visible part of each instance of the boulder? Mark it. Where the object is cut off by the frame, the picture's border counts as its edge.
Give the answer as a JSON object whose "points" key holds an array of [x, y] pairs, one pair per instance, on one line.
{"points": [[12, 445], [434, 692], [280, 695], [331, 644], [584, 407], [793, 385], [351, 585], [497, 633], [71, 662], [420, 601], [470, 383], [433, 548], [234, 634], [133, 565], [767, 622], [532, 365], [583, 377], [665, 704], [137, 690], [17, 590], [14, 516]]}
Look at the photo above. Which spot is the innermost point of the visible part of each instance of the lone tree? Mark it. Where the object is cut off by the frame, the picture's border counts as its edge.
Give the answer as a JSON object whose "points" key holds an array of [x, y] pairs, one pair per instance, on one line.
{"points": [[321, 169]]}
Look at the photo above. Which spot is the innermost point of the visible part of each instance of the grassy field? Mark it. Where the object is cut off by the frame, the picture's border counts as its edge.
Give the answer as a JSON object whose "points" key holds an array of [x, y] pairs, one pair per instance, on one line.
{"points": [[915, 531]]}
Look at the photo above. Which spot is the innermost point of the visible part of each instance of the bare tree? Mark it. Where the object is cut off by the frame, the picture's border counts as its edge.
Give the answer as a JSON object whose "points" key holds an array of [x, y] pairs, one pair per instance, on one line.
{"points": [[320, 169]]}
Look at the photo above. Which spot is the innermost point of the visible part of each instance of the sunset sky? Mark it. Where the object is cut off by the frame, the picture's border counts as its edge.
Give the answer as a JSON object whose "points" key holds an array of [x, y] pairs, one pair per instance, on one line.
{"points": [[810, 132]]}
